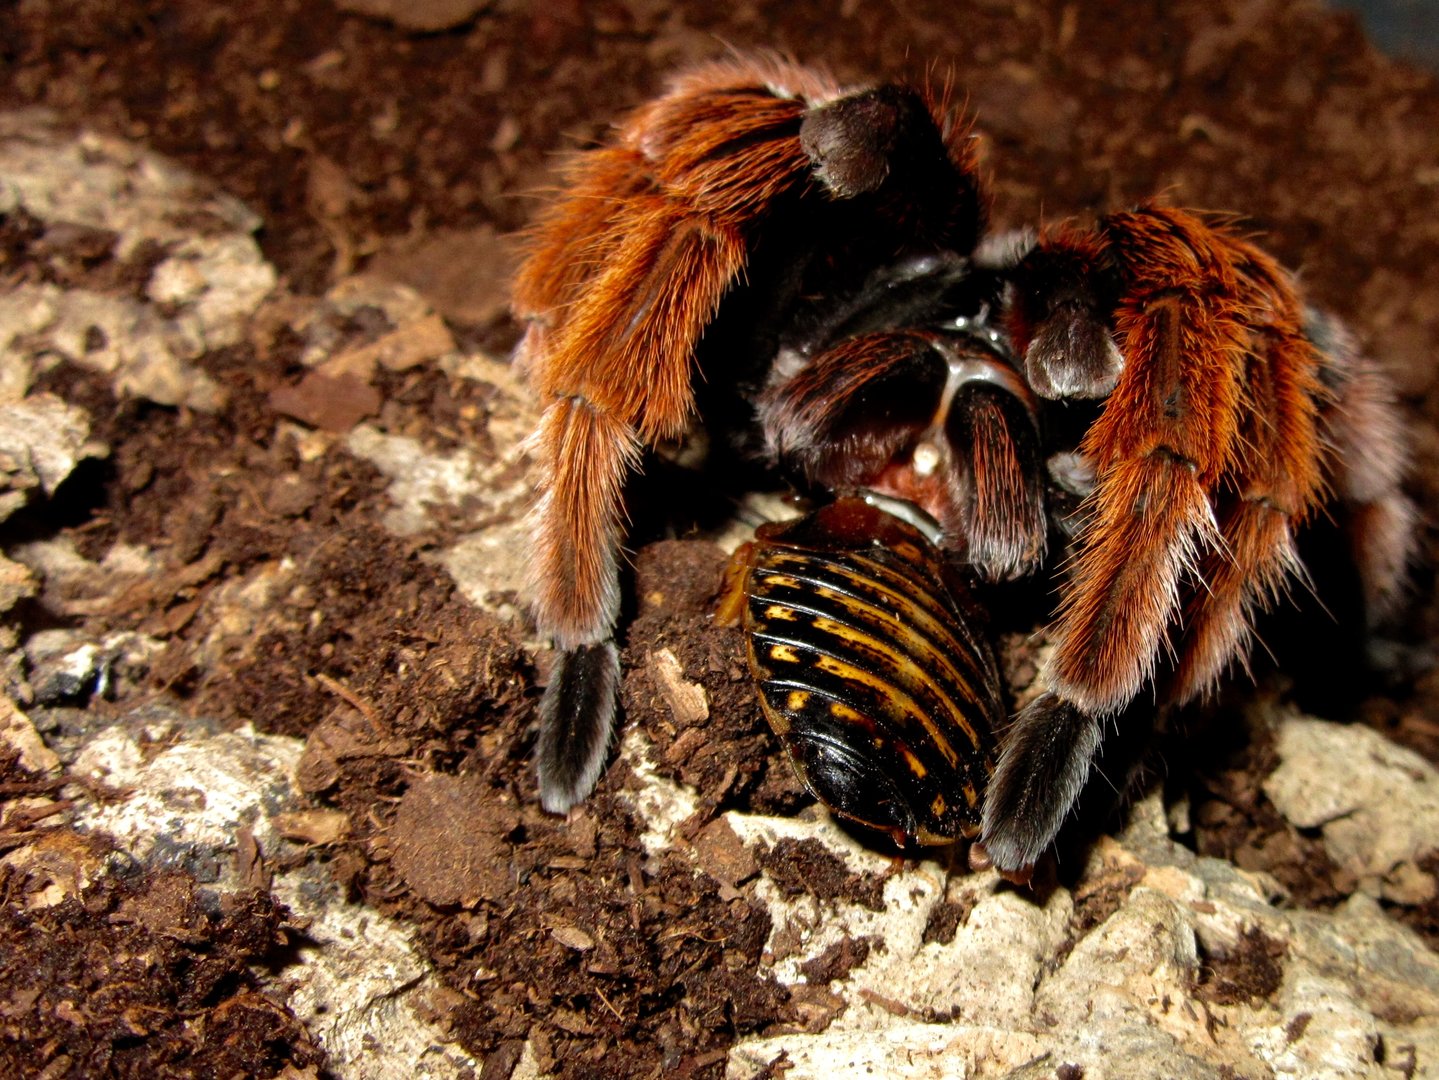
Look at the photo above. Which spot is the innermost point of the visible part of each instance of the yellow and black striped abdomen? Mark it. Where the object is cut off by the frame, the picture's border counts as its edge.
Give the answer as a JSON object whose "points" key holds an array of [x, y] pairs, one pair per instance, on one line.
{"points": [[872, 672]]}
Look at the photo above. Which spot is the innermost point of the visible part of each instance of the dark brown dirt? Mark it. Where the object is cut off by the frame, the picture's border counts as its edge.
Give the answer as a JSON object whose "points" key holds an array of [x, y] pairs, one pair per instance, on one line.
{"points": [[1251, 971], [145, 975], [946, 918], [354, 140]]}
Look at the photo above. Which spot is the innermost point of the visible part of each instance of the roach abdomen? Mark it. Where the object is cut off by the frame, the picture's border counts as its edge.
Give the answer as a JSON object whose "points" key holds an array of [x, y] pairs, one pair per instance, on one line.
{"points": [[884, 693]]}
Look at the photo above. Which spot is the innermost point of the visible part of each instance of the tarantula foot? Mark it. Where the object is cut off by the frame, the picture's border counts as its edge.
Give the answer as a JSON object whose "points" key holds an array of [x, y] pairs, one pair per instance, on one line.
{"points": [[1041, 771], [577, 718]]}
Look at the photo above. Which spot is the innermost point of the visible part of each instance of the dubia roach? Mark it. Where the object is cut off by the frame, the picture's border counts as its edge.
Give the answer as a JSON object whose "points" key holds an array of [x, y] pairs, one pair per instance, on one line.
{"points": [[872, 669]]}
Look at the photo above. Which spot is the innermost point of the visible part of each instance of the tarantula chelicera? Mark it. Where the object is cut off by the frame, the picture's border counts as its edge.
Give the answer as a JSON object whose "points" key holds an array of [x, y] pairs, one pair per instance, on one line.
{"points": [[818, 256]]}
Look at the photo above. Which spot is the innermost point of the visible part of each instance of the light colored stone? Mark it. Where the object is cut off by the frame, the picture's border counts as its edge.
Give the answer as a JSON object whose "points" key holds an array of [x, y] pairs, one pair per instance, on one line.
{"points": [[47, 436], [661, 804], [1128, 999], [357, 983], [75, 585], [419, 480], [18, 735], [198, 297], [16, 583], [42, 439], [1376, 803]]}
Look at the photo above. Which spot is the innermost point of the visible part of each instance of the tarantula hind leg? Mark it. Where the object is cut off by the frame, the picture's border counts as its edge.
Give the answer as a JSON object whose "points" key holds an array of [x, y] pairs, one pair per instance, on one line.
{"points": [[577, 715]]}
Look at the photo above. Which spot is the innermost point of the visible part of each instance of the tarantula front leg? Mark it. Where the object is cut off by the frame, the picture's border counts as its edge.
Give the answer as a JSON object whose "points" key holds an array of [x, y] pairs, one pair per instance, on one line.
{"points": [[1215, 398], [622, 278]]}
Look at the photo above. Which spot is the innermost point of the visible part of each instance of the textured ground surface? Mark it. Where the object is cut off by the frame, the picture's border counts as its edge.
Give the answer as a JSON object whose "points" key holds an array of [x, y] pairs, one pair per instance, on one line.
{"points": [[260, 586]]}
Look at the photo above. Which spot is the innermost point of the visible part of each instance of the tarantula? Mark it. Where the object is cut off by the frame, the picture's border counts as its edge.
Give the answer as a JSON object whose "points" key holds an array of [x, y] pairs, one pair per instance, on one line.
{"points": [[829, 247]]}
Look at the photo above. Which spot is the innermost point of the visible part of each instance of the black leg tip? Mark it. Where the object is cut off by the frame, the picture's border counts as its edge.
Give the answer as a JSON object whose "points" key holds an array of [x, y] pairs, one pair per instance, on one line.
{"points": [[1041, 772], [577, 719]]}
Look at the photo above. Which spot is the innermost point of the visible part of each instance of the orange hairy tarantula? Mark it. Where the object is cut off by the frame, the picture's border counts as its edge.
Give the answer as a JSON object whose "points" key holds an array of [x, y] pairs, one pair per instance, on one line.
{"points": [[829, 247]]}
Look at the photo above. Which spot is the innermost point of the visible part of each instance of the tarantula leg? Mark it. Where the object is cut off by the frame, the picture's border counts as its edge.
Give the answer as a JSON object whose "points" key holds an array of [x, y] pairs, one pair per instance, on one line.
{"points": [[1046, 760], [929, 418], [572, 239], [1276, 479], [1152, 518], [1167, 435], [577, 715], [1194, 299], [1250, 571], [1361, 424], [586, 453]]}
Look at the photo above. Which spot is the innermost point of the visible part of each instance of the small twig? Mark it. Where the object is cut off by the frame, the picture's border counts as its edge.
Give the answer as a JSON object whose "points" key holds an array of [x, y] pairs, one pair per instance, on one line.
{"points": [[367, 710]]}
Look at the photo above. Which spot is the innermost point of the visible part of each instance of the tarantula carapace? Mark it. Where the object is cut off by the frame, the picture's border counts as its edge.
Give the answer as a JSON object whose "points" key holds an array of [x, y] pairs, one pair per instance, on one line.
{"points": [[818, 257]]}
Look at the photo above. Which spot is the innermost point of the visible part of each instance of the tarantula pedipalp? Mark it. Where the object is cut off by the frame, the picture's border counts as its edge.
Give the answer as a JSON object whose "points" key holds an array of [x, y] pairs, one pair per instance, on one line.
{"points": [[829, 247]]}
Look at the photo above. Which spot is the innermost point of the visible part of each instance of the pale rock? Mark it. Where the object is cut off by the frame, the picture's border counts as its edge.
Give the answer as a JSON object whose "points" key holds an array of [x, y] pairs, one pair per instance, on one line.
{"points": [[16, 583], [145, 353], [218, 282], [1127, 1000], [16, 373], [73, 584], [492, 567], [107, 183], [18, 735], [1338, 1038], [419, 480], [199, 296], [239, 611], [1376, 803], [662, 805], [42, 439], [356, 982], [67, 665]]}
